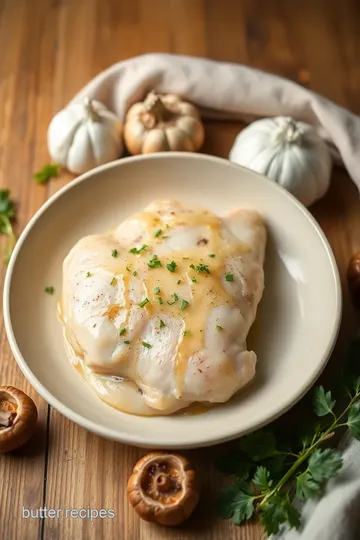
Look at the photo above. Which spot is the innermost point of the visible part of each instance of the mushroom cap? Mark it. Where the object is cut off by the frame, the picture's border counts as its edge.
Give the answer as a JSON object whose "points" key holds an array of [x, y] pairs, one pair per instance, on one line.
{"points": [[18, 417], [163, 488]]}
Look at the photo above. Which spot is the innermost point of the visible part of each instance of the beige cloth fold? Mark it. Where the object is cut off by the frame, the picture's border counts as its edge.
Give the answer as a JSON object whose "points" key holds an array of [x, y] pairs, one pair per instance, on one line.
{"points": [[228, 91]]}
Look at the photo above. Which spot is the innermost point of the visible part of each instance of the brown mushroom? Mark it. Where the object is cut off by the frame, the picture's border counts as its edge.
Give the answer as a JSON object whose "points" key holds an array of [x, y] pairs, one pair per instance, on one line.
{"points": [[18, 417], [353, 275], [163, 488]]}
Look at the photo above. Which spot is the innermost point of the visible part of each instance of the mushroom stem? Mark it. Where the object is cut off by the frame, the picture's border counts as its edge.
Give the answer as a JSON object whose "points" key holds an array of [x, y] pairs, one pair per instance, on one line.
{"points": [[155, 106], [162, 483], [6, 418]]}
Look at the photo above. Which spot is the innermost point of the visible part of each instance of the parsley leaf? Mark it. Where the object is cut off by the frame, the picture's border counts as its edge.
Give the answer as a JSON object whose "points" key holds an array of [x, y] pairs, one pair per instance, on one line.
{"points": [[273, 514], [236, 502], [234, 462], [7, 213], [354, 420], [147, 345], [50, 170], [114, 253], [88, 274], [259, 445], [49, 289], [306, 486], [122, 332], [176, 298], [202, 268], [157, 233], [219, 328], [154, 262], [162, 324], [137, 251], [157, 290], [324, 464], [144, 302], [183, 304], [171, 266], [229, 277], [262, 478], [323, 402]]}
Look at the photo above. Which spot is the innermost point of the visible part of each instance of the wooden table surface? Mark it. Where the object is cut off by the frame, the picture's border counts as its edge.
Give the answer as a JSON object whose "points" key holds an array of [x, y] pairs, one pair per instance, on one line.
{"points": [[48, 50]]}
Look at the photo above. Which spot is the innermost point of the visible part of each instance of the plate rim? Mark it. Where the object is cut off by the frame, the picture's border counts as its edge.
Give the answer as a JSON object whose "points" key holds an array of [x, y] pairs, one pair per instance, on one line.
{"points": [[139, 440]]}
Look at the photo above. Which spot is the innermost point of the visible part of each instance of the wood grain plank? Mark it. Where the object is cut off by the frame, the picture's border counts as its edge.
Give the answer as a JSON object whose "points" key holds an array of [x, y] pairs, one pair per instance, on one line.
{"points": [[48, 50], [22, 473]]}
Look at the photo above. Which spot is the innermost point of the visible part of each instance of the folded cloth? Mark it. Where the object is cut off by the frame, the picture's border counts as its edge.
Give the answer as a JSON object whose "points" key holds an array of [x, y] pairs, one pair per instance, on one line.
{"points": [[336, 516], [228, 91]]}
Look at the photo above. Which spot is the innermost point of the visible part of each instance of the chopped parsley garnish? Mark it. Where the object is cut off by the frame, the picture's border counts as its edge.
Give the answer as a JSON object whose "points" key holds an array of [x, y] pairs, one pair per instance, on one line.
{"points": [[193, 266], [194, 280], [114, 253], [186, 258], [160, 300], [171, 266], [7, 214], [183, 304], [135, 273], [144, 302], [212, 255], [88, 274], [154, 262], [50, 170], [179, 281], [157, 233], [122, 332], [167, 226], [176, 298], [50, 289], [147, 345], [165, 237], [219, 328], [113, 281], [187, 333], [202, 268], [162, 324], [127, 342], [229, 277], [157, 290], [137, 251], [128, 269]]}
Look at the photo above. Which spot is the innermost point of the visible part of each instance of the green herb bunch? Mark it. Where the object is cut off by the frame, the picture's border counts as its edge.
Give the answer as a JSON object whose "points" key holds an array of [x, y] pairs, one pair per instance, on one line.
{"points": [[7, 213], [267, 475]]}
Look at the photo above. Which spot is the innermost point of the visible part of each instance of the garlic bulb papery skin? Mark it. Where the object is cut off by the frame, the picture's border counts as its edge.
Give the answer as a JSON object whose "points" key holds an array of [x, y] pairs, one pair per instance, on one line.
{"points": [[84, 135], [289, 152]]}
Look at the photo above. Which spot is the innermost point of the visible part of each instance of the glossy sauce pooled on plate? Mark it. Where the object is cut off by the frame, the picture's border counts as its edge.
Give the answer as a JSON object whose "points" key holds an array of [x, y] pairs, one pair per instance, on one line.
{"points": [[156, 312]]}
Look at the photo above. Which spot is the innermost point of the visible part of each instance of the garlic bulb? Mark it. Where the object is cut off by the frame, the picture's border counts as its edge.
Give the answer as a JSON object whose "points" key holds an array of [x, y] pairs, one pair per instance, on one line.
{"points": [[163, 122], [288, 152], [84, 135]]}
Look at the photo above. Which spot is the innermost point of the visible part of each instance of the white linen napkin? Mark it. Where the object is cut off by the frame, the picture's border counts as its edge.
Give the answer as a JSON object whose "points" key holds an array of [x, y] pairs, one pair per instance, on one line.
{"points": [[228, 91]]}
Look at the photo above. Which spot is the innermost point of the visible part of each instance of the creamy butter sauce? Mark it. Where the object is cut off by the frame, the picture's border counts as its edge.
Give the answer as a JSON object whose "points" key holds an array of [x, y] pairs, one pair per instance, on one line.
{"points": [[191, 291]]}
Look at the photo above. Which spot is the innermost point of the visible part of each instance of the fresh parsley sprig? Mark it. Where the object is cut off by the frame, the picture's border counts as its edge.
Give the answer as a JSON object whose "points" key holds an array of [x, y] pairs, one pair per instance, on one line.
{"points": [[7, 214], [266, 476]]}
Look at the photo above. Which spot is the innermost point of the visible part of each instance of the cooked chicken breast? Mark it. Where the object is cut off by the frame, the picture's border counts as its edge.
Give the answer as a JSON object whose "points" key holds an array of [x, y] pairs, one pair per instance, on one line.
{"points": [[157, 311]]}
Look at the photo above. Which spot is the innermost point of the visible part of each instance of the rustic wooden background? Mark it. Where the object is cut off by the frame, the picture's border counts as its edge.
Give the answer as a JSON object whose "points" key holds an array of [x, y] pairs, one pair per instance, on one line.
{"points": [[48, 50]]}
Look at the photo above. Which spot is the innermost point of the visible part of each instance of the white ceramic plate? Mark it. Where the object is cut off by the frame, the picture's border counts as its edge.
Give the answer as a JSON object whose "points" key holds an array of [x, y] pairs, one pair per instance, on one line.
{"points": [[297, 322]]}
